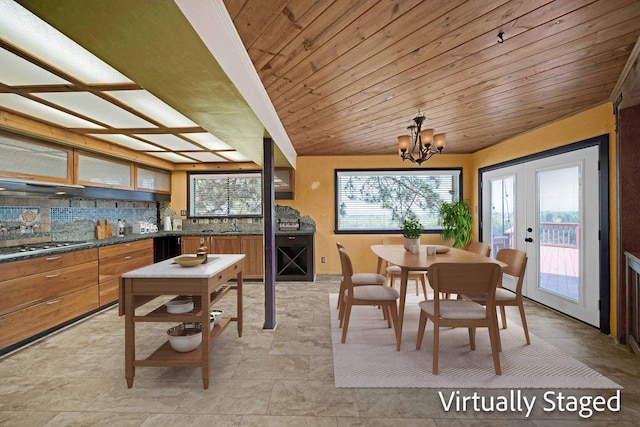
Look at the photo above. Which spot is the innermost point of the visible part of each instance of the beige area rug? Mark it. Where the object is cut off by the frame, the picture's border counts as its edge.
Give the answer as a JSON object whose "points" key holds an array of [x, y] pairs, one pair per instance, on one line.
{"points": [[369, 359]]}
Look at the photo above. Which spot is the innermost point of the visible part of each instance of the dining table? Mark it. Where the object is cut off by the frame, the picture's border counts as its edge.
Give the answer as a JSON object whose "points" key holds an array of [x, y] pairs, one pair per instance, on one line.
{"points": [[420, 261]]}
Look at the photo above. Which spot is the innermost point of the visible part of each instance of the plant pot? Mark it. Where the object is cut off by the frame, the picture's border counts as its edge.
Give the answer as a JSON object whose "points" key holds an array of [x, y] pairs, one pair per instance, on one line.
{"points": [[411, 242]]}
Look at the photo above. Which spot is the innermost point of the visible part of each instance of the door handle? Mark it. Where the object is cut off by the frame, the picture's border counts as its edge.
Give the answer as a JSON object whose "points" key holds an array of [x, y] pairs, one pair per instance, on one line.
{"points": [[528, 239]]}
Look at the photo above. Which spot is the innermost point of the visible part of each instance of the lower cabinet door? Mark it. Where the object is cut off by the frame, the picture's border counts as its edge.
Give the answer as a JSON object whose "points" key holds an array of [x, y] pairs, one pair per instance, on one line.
{"points": [[28, 322]]}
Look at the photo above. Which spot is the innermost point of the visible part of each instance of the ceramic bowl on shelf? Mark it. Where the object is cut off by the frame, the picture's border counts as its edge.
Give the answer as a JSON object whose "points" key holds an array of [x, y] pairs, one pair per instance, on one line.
{"points": [[189, 260], [178, 306], [185, 338], [216, 316]]}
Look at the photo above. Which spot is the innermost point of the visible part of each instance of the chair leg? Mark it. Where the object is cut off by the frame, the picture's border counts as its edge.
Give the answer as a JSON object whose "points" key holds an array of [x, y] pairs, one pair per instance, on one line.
{"points": [[436, 347], [472, 338], [423, 279], [503, 314], [393, 313], [386, 309], [345, 326], [341, 311], [340, 293], [417, 286], [494, 337], [421, 327], [524, 322]]}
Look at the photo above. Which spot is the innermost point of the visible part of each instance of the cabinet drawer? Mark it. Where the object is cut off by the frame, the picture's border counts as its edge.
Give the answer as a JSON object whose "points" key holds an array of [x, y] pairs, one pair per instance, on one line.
{"points": [[18, 293], [109, 291], [303, 239], [121, 248], [27, 267], [33, 320], [115, 266]]}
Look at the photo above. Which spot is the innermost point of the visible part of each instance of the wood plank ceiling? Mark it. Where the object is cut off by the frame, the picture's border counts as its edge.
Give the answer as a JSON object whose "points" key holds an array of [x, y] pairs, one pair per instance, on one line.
{"points": [[347, 76]]}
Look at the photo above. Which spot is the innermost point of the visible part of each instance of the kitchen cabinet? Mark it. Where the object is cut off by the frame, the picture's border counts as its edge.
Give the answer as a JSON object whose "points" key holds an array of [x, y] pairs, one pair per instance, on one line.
{"points": [[284, 183], [114, 260], [294, 258], [206, 286], [166, 247], [251, 246], [45, 292], [103, 172], [152, 180], [22, 158], [632, 309]]}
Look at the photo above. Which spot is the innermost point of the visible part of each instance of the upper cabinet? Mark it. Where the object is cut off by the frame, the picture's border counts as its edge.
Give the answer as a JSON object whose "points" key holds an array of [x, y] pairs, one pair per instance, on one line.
{"points": [[22, 158], [103, 172], [153, 180], [284, 183]]}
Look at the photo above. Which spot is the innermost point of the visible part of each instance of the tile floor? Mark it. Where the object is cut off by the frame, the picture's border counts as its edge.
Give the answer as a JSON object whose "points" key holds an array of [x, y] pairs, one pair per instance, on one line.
{"points": [[269, 378]]}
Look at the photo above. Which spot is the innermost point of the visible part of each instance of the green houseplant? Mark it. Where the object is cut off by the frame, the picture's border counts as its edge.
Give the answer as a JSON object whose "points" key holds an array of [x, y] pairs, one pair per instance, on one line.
{"points": [[411, 230], [456, 221]]}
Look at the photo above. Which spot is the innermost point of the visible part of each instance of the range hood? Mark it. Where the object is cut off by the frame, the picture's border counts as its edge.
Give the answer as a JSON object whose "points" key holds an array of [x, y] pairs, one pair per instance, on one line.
{"points": [[23, 187]]}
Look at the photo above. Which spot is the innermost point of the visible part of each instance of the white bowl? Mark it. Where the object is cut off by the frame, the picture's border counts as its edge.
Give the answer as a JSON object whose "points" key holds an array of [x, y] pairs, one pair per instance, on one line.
{"points": [[185, 338], [216, 316], [178, 306]]}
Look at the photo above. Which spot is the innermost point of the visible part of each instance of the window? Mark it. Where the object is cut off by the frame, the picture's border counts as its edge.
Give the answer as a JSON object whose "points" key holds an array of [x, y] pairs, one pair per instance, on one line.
{"points": [[225, 194], [375, 201]]}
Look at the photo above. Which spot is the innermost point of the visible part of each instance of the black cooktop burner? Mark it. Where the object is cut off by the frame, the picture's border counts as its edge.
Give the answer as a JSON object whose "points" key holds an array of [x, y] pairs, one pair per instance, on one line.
{"points": [[38, 247]]}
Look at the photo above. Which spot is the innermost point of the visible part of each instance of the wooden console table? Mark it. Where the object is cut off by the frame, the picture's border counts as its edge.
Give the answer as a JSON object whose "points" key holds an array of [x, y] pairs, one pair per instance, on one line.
{"points": [[206, 283], [632, 328]]}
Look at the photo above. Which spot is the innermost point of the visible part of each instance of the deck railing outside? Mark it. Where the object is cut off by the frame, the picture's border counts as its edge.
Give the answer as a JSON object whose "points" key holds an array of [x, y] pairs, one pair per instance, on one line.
{"points": [[564, 235]]}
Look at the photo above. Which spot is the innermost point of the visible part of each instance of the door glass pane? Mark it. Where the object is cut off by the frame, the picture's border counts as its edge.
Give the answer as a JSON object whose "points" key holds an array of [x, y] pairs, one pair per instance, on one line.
{"points": [[502, 214], [559, 225]]}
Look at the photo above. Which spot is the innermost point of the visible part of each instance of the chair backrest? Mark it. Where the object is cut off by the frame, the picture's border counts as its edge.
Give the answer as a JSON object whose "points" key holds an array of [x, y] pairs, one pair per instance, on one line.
{"points": [[347, 270], [480, 248], [464, 278], [516, 261]]}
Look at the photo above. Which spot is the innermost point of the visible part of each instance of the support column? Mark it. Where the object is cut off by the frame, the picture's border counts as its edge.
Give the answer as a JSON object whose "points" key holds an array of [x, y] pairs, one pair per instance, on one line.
{"points": [[269, 236]]}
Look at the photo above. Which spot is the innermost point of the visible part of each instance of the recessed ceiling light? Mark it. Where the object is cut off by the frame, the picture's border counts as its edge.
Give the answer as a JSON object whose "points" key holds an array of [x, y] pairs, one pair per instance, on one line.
{"points": [[147, 104], [17, 71], [22, 28], [170, 142], [43, 112], [172, 157], [208, 140], [126, 141]]}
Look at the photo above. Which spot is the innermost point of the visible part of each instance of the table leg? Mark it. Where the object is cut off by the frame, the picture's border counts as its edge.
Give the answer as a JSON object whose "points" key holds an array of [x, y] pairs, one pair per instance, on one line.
{"points": [[239, 302], [379, 270], [404, 278], [129, 331], [205, 323]]}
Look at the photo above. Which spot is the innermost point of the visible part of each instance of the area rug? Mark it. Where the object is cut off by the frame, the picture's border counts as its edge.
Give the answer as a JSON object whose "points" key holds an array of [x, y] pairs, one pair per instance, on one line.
{"points": [[369, 358]]}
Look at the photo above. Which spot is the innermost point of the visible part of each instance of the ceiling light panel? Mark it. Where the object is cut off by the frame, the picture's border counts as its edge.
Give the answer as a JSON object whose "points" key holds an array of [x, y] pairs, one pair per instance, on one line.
{"points": [[147, 104], [234, 156], [172, 157], [126, 141], [17, 71], [43, 112], [170, 142], [93, 106], [206, 157], [25, 30], [208, 140]]}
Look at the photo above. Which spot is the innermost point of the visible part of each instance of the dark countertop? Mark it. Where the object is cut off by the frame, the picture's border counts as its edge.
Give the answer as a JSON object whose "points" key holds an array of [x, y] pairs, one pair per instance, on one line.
{"points": [[134, 237]]}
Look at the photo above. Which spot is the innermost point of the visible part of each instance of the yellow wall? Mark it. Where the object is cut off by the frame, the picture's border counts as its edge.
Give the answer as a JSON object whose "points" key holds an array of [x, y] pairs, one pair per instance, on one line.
{"points": [[315, 186]]}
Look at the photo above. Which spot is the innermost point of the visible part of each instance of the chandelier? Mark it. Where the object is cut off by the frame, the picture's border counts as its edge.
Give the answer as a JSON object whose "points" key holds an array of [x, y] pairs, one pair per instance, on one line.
{"points": [[421, 145]]}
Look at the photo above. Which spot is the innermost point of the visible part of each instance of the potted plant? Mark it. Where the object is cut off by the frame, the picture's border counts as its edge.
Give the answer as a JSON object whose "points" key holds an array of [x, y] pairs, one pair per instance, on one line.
{"points": [[456, 221], [411, 230]]}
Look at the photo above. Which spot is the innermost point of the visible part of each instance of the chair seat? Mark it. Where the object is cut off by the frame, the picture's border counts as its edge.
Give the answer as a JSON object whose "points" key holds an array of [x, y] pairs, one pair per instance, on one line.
{"points": [[394, 269], [374, 292], [502, 294], [359, 279], [456, 309]]}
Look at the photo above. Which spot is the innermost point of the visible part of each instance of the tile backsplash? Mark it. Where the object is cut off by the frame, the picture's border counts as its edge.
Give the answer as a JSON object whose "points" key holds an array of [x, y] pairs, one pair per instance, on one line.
{"points": [[31, 220]]}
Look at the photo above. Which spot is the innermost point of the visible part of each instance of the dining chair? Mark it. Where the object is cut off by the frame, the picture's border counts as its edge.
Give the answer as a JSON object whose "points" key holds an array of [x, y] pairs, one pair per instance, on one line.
{"points": [[359, 279], [516, 261], [461, 278], [374, 295], [480, 248], [393, 271]]}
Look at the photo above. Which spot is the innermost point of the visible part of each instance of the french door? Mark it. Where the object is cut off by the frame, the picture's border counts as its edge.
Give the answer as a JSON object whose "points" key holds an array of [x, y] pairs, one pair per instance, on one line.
{"points": [[549, 207]]}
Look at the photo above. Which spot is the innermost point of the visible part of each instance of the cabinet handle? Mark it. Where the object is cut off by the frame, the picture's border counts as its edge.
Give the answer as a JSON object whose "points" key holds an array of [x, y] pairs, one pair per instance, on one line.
{"points": [[291, 238], [53, 258], [55, 301], [51, 276], [128, 257]]}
